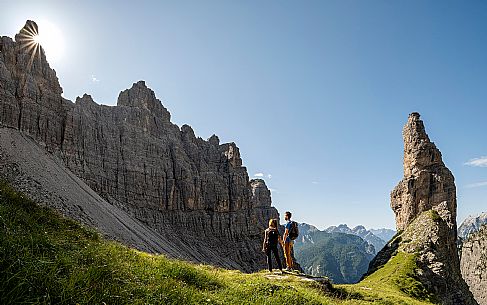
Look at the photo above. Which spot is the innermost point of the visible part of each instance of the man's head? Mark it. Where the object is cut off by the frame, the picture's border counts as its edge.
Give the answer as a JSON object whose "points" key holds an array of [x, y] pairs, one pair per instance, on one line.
{"points": [[287, 215]]}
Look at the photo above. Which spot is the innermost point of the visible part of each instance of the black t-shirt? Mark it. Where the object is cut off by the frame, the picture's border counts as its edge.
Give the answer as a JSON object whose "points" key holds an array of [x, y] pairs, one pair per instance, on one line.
{"points": [[272, 237]]}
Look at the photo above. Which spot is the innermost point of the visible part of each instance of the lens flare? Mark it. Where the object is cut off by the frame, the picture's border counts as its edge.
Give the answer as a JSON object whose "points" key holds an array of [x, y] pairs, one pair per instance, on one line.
{"points": [[50, 41], [37, 39], [29, 39]]}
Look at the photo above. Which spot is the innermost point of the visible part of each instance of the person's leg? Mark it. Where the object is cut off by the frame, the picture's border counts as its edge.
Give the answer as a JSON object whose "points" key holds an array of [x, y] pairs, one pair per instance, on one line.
{"points": [[287, 254], [291, 254], [269, 259], [278, 259]]}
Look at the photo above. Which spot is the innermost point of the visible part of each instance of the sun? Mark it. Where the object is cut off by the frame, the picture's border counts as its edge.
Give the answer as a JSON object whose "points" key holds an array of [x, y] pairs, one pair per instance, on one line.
{"points": [[37, 39], [50, 37], [42, 35]]}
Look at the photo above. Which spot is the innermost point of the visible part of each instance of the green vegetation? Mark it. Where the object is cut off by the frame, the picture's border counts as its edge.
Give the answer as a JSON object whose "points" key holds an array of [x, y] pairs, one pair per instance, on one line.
{"points": [[435, 216], [398, 277], [47, 259], [344, 258]]}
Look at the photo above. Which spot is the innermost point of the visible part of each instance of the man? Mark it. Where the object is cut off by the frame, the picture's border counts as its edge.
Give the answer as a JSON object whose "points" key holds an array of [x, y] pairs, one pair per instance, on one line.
{"points": [[288, 242]]}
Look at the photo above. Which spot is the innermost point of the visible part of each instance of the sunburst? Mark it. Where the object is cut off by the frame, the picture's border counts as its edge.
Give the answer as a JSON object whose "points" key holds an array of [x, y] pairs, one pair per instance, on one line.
{"points": [[30, 40]]}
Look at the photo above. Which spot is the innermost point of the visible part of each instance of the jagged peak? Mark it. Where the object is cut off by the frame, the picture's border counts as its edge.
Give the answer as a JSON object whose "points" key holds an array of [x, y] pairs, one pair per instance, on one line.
{"points": [[419, 151], [29, 57], [257, 181], [415, 128], [231, 153], [261, 195], [27, 32], [427, 182], [359, 227], [141, 96], [86, 98], [214, 140]]}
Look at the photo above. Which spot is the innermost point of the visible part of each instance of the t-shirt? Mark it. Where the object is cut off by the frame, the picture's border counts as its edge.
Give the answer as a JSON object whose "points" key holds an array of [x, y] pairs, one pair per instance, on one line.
{"points": [[288, 227]]}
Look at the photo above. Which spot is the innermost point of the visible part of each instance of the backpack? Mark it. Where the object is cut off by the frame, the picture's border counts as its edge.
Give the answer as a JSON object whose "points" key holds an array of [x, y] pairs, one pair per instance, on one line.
{"points": [[294, 232], [272, 237]]}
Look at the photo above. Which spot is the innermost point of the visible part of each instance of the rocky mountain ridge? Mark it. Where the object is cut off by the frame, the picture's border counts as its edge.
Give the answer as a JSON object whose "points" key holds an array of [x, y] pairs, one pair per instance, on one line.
{"points": [[362, 232], [343, 257], [471, 224], [134, 158], [383, 233]]}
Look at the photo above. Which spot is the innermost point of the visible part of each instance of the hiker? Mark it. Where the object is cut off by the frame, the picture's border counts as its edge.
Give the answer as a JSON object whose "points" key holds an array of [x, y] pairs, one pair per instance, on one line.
{"points": [[290, 234], [271, 240]]}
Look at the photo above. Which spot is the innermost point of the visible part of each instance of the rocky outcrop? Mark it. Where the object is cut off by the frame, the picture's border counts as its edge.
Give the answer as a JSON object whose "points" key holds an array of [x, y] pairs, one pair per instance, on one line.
{"points": [[474, 263], [261, 195], [136, 159], [424, 203], [427, 182]]}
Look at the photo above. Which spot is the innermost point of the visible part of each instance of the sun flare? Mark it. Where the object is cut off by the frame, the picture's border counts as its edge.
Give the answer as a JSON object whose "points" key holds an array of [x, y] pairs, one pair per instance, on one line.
{"points": [[51, 39], [42, 36]]}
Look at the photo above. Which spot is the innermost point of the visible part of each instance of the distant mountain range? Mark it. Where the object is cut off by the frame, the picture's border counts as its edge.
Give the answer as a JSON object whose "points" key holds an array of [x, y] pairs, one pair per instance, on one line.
{"points": [[341, 253], [384, 234], [471, 224], [365, 234]]}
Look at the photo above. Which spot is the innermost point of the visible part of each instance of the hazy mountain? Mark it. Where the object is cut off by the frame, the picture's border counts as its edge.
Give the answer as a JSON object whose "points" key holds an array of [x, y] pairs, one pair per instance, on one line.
{"points": [[471, 224], [342, 257], [361, 231], [384, 234]]}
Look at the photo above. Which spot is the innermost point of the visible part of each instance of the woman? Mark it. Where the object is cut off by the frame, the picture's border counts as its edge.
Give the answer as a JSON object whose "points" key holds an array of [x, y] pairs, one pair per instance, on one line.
{"points": [[271, 240]]}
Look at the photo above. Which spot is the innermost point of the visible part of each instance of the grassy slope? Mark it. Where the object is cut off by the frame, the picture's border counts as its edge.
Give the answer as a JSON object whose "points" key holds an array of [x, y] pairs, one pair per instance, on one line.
{"points": [[45, 258]]}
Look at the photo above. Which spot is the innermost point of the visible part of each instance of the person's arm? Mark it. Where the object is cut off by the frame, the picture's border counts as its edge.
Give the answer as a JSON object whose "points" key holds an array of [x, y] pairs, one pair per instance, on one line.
{"points": [[280, 240], [286, 233], [265, 238]]}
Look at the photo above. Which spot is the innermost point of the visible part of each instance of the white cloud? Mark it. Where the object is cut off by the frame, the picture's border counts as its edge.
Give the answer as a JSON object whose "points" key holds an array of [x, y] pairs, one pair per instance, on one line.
{"points": [[259, 175], [94, 79], [269, 176], [315, 182], [478, 162], [478, 184]]}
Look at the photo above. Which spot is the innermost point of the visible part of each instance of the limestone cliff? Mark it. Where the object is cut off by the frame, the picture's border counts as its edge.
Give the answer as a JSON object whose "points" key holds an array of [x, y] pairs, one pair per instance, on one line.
{"points": [[136, 159], [427, 182], [473, 263], [424, 203]]}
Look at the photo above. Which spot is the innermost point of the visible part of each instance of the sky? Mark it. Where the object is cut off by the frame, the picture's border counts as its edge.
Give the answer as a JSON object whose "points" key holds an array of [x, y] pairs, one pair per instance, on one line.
{"points": [[314, 93]]}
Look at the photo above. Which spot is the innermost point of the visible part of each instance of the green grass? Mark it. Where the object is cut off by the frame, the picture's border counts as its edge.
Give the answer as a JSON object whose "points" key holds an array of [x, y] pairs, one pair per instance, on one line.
{"points": [[48, 259], [397, 278]]}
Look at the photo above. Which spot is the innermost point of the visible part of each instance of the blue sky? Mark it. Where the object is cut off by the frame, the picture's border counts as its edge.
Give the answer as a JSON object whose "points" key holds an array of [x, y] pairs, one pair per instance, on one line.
{"points": [[315, 93]]}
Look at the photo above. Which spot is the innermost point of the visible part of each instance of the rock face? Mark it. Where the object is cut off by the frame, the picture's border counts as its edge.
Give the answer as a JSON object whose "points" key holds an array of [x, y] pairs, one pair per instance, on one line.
{"points": [[474, 264], [424, 203], [261, 196], [427, 182], [136, 159]]}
